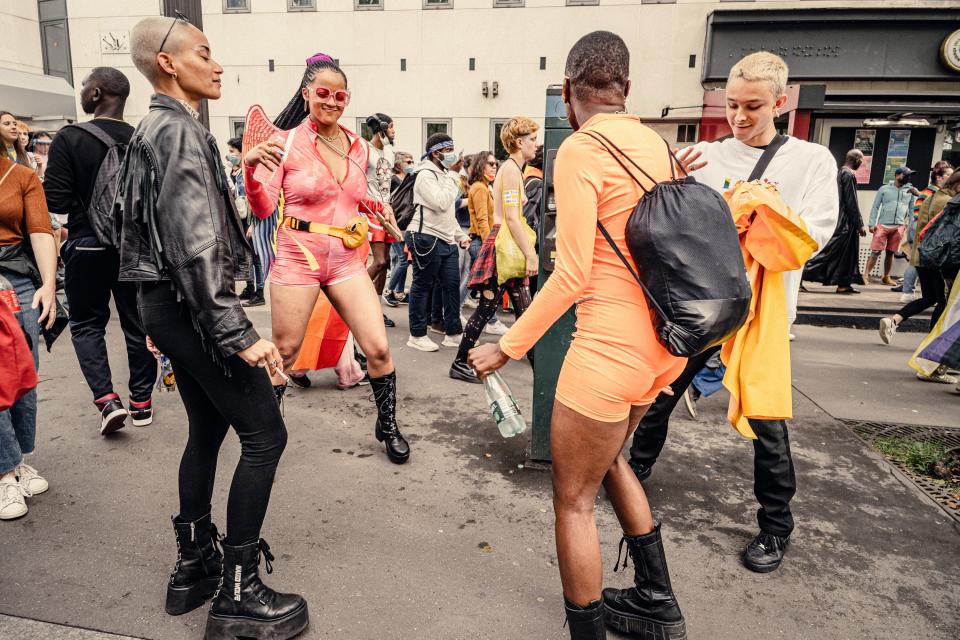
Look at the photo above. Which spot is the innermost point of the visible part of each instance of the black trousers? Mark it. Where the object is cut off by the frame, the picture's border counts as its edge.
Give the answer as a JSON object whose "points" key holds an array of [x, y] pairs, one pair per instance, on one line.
{"points": [[774, 478], [214, 402], [487, 309], [90, 277], [933, 289]]}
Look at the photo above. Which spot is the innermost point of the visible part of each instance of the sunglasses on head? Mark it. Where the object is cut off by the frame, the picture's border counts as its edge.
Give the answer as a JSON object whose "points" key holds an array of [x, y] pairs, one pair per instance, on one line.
{"points": [[179, 18], [340, 96]]}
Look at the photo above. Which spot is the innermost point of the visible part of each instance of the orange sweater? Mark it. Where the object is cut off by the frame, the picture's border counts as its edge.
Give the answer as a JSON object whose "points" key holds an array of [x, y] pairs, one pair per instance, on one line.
{"points": [[480, 206], [22, 204]]}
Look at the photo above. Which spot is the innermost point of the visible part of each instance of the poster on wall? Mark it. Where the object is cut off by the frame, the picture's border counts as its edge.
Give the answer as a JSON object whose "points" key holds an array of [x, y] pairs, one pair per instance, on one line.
{"points": [[896, 152], [863, 141]]}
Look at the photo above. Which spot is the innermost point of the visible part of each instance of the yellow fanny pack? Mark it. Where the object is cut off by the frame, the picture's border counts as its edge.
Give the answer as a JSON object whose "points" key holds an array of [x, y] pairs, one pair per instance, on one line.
{"points": [[353, 234]]}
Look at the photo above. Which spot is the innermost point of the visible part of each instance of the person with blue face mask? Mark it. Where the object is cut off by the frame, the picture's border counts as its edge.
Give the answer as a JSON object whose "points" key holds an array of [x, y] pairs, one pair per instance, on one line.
{"points": [[433, 238]]}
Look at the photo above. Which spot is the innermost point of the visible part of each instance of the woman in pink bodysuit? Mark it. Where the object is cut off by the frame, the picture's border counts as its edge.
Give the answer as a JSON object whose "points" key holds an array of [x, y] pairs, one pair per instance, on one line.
{"points": [[323, 178]]}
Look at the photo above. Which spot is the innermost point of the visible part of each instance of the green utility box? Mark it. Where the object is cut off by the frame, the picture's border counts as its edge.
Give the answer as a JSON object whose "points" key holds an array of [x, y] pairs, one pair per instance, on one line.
{"points": [[550, 351]]}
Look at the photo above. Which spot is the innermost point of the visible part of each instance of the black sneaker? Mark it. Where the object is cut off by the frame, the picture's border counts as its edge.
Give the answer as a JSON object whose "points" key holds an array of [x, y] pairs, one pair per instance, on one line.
{"points": [[388, 323], [256, 300], [142, 413], [303, 382], [247, 293], [460, 370], [642, 471], [402, 298], [113, 416], [390, 299], [765, 553]]}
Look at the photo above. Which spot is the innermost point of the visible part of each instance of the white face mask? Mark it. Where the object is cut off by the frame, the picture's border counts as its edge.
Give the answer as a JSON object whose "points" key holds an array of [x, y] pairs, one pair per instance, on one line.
{"points": [[449, 159]]}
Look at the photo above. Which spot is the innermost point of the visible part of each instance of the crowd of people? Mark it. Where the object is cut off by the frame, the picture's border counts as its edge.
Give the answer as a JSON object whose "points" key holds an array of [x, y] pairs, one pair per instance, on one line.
{"points": [[162, 222]]}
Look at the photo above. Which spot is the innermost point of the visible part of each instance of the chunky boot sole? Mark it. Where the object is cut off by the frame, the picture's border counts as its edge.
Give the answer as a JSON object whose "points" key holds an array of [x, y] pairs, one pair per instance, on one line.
{"points": [[394, 458], [181, 600], [233, 628], [644, 628]]}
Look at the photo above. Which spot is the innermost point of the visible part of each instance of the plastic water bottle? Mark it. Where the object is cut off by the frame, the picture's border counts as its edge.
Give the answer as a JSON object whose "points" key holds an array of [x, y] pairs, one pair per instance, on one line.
{"points": [[503, 405]]}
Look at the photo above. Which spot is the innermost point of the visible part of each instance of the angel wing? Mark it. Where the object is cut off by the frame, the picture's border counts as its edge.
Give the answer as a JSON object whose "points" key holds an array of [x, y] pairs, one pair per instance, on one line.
{"points": [[258, 128]]}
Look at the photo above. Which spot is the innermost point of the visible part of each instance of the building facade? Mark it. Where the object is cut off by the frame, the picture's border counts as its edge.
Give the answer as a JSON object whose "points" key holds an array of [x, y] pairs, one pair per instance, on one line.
{"points": [[465, 66]]}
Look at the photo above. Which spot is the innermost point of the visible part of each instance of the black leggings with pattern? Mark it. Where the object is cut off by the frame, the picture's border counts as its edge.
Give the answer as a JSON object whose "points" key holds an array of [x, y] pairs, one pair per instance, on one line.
{"points": [[490, 295]]}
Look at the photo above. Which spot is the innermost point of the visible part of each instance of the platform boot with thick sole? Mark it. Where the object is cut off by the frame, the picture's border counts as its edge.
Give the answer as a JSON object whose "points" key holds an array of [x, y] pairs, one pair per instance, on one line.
{"points": [[244, 607], [586, 623], [199, 565], [648, 610], [387, 431]]}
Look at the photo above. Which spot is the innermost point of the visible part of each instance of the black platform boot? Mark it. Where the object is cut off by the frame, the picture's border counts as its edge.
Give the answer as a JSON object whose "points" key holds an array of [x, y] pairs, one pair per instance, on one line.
{"points": [[244, 607], [199, 565], [649, 609], [586, 623], [387, 431]]}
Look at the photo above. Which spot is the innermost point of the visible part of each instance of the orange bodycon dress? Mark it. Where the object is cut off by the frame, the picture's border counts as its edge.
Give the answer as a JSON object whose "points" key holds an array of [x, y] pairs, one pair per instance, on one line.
{"points": [[615, 360]]}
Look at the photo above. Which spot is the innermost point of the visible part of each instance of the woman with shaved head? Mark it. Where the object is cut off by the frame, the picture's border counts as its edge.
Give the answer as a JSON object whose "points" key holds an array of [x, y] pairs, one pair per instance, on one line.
{"points": [[182, 242], [615, 367]]}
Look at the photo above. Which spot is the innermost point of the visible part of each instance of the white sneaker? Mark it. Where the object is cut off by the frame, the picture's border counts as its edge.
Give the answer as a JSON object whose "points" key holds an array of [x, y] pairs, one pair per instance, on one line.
{"points": [[907, 297], [30, 480], [496, 328], [452, 341], [12, 503], [470, 303], [887, 328], [423, 343]]}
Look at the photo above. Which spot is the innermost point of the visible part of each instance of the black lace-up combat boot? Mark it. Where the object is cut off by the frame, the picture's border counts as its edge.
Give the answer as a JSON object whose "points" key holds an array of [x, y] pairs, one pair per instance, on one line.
{"points": [[199, 565], [586, 623], [387, 431], [649, 609], [244, 607]]}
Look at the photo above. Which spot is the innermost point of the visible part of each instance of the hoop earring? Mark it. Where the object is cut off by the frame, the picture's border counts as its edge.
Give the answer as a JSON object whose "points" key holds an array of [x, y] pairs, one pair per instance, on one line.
{"points": [[174, 75], [776, 113]]}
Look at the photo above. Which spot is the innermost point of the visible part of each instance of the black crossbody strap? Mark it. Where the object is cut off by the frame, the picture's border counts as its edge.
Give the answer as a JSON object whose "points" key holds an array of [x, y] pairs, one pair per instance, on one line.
{"points": [[778, 141], [610, 146], [629, 267]]}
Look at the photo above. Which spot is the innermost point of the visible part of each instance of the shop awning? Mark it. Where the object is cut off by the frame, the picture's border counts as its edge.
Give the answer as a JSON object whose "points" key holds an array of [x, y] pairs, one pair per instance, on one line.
{"points": [[33, 95], [941, 103]]}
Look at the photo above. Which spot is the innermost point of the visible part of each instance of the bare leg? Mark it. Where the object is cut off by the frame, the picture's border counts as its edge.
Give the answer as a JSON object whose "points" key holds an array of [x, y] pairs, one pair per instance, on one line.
{"points": [[871, 263], [291, 311], [381, 262], [625, 491], [583, 452], [357, 303], [887, 264]]}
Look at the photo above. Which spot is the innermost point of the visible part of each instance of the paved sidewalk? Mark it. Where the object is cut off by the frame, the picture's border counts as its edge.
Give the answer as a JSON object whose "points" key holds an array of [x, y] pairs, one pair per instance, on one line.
{"points": [[459, 543], [11, 627]]}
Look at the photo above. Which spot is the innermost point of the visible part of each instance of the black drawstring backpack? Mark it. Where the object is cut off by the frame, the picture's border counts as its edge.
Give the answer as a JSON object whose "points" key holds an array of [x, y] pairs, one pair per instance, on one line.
{"points": [[685, 244]]}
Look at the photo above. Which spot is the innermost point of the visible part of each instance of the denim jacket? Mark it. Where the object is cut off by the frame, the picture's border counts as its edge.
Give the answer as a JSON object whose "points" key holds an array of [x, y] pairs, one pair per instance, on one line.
{"points": [[891, 206]]}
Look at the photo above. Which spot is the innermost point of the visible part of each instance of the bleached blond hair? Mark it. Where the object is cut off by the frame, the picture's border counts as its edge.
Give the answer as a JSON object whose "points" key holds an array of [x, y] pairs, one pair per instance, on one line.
{"points": [[763, 65], [145, 39], [514, 129]]}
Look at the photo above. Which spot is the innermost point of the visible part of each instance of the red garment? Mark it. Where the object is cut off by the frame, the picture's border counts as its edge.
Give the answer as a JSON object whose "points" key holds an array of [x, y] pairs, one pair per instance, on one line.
{"points": [[17, 373]]}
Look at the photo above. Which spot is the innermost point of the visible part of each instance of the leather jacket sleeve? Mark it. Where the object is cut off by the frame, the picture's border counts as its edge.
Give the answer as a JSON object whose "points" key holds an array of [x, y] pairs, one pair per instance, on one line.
{"points": [[191, 223]]}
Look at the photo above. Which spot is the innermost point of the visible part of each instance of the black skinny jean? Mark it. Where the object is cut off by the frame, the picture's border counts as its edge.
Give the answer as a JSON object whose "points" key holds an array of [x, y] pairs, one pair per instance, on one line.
{"points": [[490, 296], [933, 289], [774, 478], [90, 276], [214, 402]]}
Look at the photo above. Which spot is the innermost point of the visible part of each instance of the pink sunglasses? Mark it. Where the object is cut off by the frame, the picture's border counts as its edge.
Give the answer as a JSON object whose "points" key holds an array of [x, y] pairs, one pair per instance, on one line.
{"points": [[341, 96]]}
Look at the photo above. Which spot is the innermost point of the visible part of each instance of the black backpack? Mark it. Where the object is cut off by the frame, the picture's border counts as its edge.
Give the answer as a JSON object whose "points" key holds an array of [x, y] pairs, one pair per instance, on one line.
{"points": [[100, 210], [402, 201], [533, 187], [940, 247], [685, 244]]}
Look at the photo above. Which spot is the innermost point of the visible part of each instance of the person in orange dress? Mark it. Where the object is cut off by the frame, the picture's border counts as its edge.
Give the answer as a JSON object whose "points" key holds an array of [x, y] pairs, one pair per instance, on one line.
{"points": [[615, 367]]}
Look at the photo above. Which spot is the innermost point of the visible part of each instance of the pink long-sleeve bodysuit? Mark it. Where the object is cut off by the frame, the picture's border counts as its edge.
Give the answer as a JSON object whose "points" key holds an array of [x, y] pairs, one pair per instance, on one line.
{"points": [[311, 193]]}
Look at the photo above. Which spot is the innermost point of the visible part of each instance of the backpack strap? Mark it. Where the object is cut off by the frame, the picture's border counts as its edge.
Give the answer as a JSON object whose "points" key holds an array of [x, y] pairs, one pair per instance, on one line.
{"points": [[97, 133], [607, 144], [778, 141], [626, 263]]}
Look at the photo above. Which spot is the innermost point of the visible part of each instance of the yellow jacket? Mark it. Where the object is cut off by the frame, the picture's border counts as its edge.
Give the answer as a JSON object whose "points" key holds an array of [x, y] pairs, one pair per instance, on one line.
{"points": [[773, 239]]}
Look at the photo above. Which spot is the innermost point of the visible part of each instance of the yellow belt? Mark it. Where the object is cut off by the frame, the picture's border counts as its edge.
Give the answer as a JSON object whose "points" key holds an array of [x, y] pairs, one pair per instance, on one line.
{"points": [[353, 234]]}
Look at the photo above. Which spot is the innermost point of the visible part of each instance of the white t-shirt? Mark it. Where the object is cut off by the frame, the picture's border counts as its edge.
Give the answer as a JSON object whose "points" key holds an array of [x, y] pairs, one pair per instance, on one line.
{"points": [[379, 170], [806, 175]]}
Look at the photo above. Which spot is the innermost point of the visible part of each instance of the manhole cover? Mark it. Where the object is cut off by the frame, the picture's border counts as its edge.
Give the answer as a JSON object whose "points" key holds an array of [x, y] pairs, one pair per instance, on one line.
{"points": [[948, 438]]}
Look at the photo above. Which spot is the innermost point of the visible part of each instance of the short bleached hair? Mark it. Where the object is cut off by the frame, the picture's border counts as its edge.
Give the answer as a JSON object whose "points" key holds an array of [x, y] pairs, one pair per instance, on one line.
{"points": [[763, 65], [514, 129], [145, 39]]}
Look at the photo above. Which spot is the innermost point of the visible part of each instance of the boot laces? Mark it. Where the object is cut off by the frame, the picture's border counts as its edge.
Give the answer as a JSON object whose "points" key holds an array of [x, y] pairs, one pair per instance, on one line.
{"points": [[620, 553], [769, 542], [268, 558]]}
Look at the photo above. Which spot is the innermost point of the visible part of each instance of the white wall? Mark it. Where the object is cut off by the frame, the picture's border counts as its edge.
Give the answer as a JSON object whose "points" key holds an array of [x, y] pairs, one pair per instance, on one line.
{"points": [[20, 25], [507, 45]]}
